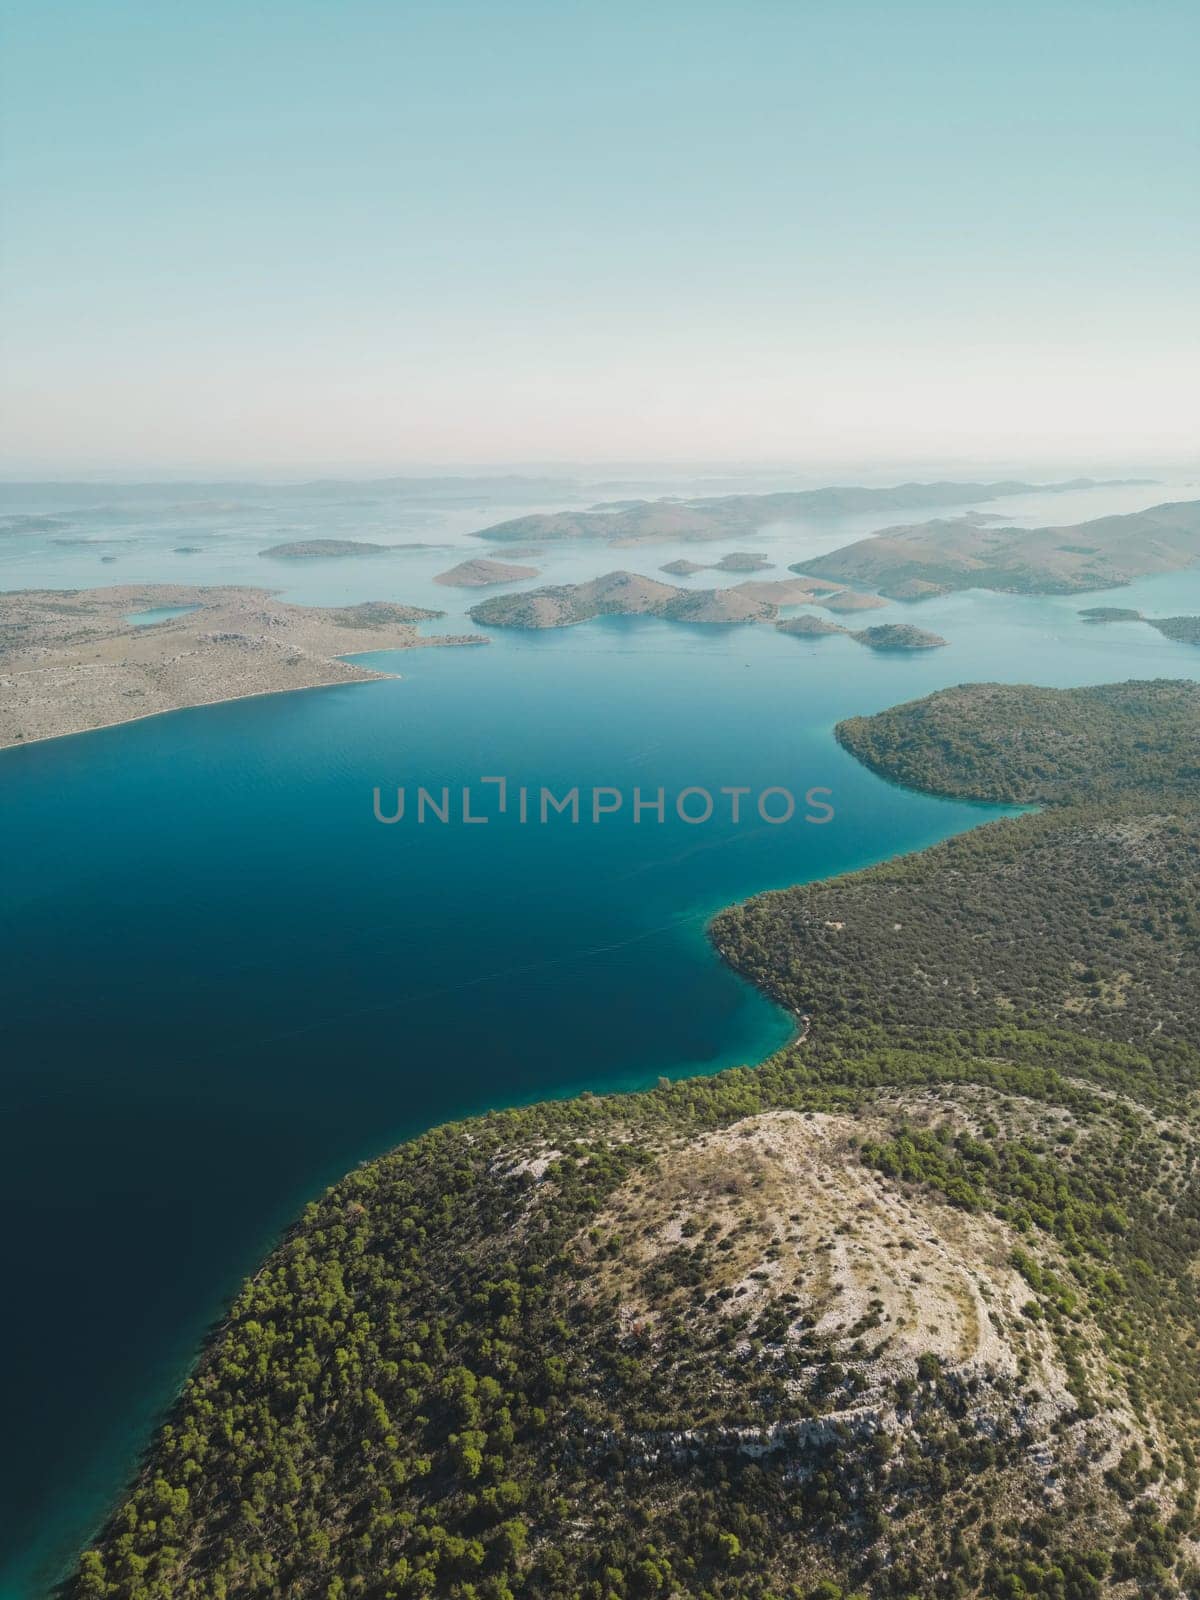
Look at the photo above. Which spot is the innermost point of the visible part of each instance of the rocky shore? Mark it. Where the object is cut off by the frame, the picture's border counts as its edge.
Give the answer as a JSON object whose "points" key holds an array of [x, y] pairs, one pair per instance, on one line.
{"points": [[71, 660]]}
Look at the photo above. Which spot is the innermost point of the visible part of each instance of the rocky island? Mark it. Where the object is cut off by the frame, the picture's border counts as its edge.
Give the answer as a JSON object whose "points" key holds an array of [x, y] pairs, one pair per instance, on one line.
{"points": [[479, 573], [1097, 614], [898, 636], [743, 561], [71, 660], [888, 636], [324, 549], [809, 627], [736, 561], [917, 560], [627, 594]]}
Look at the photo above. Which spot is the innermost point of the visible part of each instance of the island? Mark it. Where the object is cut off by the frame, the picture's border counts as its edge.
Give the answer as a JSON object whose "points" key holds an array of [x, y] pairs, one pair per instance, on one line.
{"points": [[743, 561], [910, 1309], [1098, 614], [809, 627], [736, 561], [324, 549], [633, 522], [898, 636], [914, 561], [71, 660], [888, 636], [479, 573], [627, 594]]}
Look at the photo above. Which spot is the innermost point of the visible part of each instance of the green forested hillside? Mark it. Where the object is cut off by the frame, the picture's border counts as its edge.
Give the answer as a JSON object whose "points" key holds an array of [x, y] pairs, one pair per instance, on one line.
{"points": [[910, 1310], [1014, 742]]}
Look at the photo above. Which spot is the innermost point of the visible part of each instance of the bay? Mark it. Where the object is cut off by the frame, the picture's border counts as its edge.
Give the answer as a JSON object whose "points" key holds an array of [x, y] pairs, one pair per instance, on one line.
{"points": [[224, 982]]}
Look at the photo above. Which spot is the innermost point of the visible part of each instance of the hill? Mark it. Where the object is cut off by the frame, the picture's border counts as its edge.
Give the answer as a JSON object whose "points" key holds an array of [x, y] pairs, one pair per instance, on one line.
{"points": [[914, 561], [808, 627], [910, 1310], [479, 572], [898, 636], [627, 594]]}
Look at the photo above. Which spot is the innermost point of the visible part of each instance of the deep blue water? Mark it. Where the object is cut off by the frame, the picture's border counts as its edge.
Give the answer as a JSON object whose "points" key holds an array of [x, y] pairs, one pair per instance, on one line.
{"points": [[223, 982]]}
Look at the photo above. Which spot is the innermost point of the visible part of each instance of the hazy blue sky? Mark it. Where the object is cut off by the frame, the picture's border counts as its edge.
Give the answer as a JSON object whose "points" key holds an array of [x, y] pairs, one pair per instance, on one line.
{"points": [[362, 235]]}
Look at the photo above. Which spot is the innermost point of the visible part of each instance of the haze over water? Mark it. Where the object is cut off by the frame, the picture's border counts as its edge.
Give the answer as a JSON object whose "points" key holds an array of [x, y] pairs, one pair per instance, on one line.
{"points": [[223, 982]]}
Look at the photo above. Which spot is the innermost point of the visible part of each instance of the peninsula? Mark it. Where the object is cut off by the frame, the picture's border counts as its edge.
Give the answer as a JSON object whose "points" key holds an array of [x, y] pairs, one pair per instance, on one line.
{"points": [[1184, 630], [918, 560], [733, 516], [72, 660], [911, 1309]]}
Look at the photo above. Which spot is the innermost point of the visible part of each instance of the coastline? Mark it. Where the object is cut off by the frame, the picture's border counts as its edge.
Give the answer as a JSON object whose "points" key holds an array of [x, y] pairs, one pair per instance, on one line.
{"points": [[361, 675], [77, 661], [132, 1440], [124, 1446], [697, 927]]}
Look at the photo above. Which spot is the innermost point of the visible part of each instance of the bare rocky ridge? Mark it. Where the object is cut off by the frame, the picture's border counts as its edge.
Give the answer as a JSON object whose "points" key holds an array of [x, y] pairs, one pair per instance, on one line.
{"points": [[71, 661]]}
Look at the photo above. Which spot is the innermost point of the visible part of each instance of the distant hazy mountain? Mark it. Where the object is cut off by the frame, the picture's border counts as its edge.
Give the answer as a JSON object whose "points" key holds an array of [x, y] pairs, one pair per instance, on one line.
{"points": [[725, 516]]}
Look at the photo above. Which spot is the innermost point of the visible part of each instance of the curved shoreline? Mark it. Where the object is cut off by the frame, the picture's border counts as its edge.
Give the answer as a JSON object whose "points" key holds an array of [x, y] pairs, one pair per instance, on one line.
{"points": [[639, 1083]]}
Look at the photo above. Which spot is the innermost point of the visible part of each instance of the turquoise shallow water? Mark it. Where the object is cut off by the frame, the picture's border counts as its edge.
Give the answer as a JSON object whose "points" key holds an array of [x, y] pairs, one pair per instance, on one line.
{"points": [[224, 982]]}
